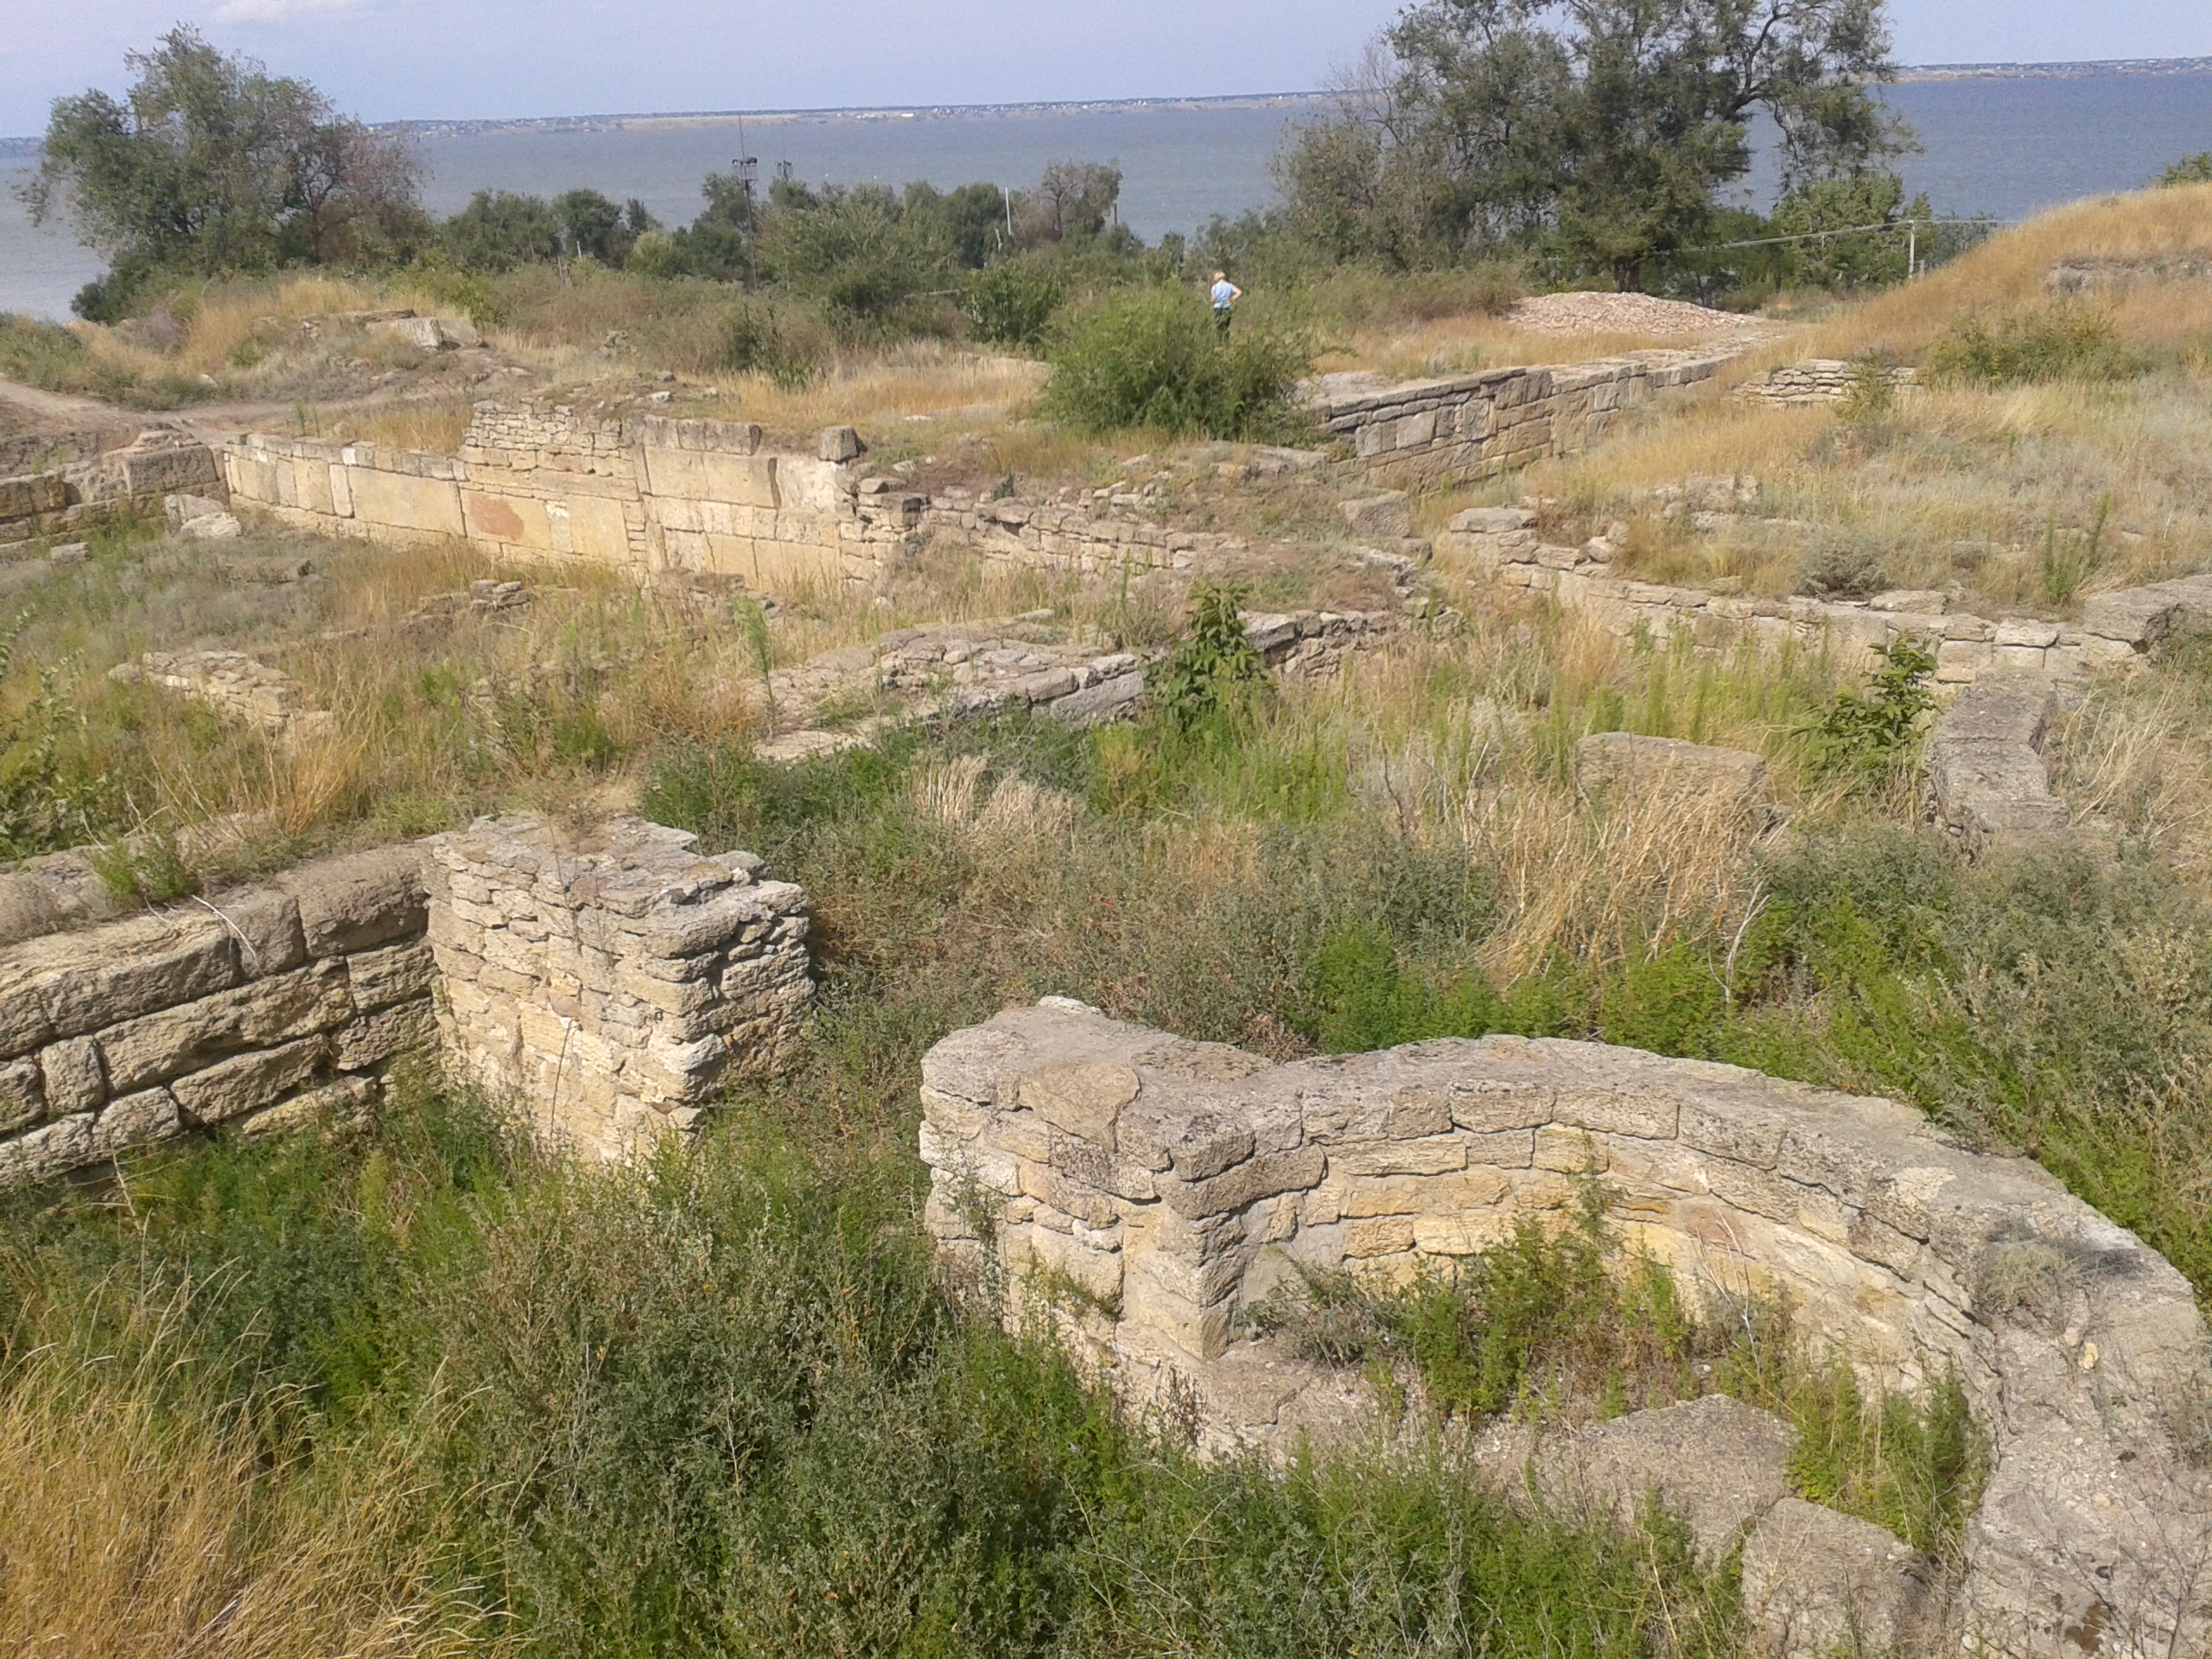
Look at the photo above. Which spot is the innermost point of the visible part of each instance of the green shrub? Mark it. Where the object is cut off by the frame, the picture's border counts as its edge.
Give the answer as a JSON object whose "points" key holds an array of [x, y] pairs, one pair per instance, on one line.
{"points": [[1869, 737], [2190, 169], [753, 342], [1151, 358], [1215, 663], [1012, 302], [2058, 342]]}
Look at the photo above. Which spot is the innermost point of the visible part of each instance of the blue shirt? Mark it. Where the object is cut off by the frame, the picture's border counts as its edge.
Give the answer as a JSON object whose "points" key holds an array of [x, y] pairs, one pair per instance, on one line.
{"points": [[1224, 293]]}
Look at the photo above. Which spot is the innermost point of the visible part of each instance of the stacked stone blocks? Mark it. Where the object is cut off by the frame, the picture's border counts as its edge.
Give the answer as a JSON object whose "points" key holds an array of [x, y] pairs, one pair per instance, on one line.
{"points": [[1172, 1183], [1471, 426], [612, 983], [265, 1008]]}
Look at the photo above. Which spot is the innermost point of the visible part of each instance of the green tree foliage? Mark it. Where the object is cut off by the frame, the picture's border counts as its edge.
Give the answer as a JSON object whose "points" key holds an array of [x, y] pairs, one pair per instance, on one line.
{"points": [[500, 229], [1012, 302], [1601, 129], [2190, 170], [1150, 357], [210, 164], [1216, 662]]}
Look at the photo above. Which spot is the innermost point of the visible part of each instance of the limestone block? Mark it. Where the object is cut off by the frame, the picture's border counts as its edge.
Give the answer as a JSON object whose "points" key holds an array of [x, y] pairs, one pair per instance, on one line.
{"points": [[1263, 1175], [509, 520], [428, 506], [1388, 515], [598, 530], [359, 900], [398, 974], [1431, 1155], [22, 1095], [748, 480], [266, 924], [1201, 1330], [1816, 1583], [250, 1081], [838, 444], [379, 1038], [49, 1150], [1608, 763], [335, 1105], [1720, 1465], [128, 969], [135, 1121], [1083, 1100], [74, 1078], [156, 1047]]}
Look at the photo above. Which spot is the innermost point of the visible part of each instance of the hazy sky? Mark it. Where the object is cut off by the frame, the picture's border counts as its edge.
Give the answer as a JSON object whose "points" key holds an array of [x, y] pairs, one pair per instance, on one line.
{"points": [[387, 60]]}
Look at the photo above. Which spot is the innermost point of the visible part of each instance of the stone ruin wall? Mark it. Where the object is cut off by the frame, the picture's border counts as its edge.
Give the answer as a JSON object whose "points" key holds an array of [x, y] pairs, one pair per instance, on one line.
{"points": [[159, 462], [260, 1009], [1471, 426], [657, 496], [1174, 1183], [1500, 546], [610, 983], [1819, 380]]}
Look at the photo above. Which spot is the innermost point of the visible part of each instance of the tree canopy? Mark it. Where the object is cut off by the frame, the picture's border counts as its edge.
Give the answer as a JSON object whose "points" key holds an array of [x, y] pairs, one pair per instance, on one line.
{"points": [[1601, 131], [209, 163]]}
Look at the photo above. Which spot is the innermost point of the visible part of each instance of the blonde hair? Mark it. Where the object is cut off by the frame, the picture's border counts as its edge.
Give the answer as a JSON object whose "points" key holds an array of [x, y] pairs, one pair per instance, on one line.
{"points": [[1221, 276]]}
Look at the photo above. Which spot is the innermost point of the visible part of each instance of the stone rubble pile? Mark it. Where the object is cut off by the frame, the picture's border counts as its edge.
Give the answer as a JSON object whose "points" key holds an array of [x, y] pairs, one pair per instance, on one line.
{"points": [[233, 684]]}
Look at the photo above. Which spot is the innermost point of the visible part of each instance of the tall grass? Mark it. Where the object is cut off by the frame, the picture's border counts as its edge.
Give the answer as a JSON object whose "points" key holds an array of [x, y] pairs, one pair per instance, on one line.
{"points": [[719, 1406]]}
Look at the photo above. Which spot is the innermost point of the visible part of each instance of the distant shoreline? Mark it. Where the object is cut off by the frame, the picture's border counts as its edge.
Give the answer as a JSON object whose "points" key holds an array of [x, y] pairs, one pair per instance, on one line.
{"points": [[1907, 75]]}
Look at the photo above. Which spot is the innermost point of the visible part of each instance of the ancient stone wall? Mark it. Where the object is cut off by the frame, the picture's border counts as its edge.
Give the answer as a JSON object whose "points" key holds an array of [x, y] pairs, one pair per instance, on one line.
{"points": [[1500, 546], [1471, 426], [1172, 1183], [1988, 783], [653, 494], [157, 462], [261, 1008], [1820, 380], [611, 982]]}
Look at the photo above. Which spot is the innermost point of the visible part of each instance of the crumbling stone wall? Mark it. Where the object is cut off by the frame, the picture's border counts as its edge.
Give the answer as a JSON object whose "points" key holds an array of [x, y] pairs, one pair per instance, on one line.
{"points": [[1471, 426], [157, 462], [1174, 1183], [263, 1008], [1500, 546], [611, 982], [1819, 380]]}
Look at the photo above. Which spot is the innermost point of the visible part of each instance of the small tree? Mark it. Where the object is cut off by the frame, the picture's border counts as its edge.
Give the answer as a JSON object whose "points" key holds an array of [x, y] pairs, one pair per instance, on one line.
{"points": [[211, 164], [1073, 200]]}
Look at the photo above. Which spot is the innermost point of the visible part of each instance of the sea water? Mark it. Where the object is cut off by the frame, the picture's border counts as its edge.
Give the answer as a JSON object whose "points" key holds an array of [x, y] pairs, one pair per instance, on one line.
{"points": [[2001, 147]]}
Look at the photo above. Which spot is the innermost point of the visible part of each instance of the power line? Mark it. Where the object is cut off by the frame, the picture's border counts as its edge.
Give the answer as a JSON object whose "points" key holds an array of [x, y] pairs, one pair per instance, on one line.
{"points": [[1912, 224]]}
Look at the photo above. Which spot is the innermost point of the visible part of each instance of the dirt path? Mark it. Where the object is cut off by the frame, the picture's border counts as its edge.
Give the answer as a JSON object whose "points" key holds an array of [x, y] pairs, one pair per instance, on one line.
{"points": [[209, 422]]}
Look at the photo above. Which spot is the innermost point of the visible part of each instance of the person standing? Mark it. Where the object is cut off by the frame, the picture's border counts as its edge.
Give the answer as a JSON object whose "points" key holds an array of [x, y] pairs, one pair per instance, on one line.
{"points": [[1226, 296]]}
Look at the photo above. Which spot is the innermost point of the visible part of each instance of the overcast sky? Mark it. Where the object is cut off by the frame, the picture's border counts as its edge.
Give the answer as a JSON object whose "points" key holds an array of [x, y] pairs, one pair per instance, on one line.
{"points": [[390, 60]]}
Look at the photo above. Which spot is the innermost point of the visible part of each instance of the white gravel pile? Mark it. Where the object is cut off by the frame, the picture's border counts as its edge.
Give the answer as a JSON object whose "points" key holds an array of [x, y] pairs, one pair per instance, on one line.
{"points": [[1622, 314]]}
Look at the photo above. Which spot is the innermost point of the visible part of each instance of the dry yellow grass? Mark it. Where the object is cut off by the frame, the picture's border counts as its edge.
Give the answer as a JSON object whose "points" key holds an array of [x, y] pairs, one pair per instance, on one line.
{"points": [[133, 1521], [2010, 270], [1463, 345]]}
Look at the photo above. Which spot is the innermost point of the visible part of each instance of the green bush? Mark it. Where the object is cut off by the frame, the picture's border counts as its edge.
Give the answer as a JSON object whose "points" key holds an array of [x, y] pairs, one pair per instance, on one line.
{"points": [[1012, 302], [1216, 663], [2190, 170], [1151, 358], [2058, 342], [1869, 737]]}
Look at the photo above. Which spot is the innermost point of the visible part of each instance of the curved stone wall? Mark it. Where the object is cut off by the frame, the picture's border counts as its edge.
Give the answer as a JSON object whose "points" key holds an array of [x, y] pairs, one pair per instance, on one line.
{"points": [[1171, 1183]]}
